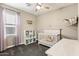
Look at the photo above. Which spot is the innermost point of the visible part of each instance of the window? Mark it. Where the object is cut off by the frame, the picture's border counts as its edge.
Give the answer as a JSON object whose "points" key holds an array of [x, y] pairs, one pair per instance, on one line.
{"points": [[10, 22], [10, 30]]}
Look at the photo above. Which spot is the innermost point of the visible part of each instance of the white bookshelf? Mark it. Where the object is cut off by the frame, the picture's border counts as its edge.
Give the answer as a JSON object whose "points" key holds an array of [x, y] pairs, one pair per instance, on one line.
{"points": [[30, 37]]}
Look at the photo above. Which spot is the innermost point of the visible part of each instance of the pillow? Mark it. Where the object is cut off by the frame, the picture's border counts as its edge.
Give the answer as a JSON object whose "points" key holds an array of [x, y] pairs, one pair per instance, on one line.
{"points": [[50, 38]]}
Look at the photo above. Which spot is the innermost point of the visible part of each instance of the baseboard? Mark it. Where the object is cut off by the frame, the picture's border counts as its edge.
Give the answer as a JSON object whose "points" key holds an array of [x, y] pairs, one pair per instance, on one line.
{"points": [[21, 43], [10, 46]]}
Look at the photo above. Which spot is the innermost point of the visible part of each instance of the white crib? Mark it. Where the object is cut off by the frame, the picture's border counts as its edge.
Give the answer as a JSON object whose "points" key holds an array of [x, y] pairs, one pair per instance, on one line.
{"points": [[44, 34]]}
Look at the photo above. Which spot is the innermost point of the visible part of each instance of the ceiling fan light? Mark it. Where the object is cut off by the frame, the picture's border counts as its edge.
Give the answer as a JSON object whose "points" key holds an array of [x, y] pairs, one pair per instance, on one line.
{"points": [[38, 7]]}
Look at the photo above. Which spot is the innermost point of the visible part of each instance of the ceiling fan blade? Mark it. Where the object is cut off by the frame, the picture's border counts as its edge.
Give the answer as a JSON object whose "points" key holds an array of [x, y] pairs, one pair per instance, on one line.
{"points": [[46, 7], [28, 4]]}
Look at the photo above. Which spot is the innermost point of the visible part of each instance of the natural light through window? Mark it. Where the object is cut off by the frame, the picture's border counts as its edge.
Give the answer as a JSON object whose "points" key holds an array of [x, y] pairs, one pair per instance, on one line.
{"points": [[10, 22]]}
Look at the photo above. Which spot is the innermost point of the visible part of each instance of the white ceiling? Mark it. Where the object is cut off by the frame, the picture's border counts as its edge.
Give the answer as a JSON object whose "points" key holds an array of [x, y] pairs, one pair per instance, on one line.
{"points": [[31, 8]]}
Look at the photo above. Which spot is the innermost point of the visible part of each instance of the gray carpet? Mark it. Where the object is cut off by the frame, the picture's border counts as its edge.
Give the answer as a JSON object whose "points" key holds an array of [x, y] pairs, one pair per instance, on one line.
{"points": [[25, 50]]}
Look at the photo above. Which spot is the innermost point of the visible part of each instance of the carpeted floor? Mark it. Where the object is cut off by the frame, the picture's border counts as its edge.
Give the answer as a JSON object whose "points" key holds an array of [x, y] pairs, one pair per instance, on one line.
{"points": [[26, 50]]}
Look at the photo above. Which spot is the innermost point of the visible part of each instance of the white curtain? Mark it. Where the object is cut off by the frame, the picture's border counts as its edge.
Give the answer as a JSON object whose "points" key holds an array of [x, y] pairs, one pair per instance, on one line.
{"points": [[1, 30], [10, 29]]}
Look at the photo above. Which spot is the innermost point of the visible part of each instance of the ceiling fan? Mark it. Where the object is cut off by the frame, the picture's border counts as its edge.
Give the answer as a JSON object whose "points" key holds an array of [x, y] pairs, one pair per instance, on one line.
{"points": [[38, 6]]}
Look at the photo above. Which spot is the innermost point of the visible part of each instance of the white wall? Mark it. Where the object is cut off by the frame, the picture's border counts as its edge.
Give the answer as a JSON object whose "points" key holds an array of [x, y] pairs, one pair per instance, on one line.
{"points": [[55, 20], [25, 26]]}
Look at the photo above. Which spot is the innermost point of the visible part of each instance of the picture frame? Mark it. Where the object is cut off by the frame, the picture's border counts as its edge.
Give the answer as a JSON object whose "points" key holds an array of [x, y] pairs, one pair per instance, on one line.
{"points": [[29, 21]]}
